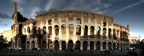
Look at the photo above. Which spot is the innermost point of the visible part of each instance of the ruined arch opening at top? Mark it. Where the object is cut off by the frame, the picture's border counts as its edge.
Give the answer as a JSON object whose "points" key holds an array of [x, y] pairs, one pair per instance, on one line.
{"points": [[20, 28]]}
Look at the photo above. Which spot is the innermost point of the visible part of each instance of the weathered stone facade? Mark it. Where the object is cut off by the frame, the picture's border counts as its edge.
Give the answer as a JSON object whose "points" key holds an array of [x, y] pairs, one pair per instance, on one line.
{"points": [[66, 30]]}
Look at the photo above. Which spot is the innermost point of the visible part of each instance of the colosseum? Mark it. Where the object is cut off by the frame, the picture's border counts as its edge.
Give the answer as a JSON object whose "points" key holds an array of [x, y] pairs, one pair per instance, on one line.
{"points": [[68, 30]]}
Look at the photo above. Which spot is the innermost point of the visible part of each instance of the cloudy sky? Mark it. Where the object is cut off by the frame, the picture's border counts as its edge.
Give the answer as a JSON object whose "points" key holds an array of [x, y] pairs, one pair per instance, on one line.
{"points": [[125, 12]]}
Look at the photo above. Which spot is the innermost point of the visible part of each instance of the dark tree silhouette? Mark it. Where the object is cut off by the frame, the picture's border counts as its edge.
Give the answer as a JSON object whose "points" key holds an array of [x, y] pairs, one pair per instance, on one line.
{"points": [[3, 43]]}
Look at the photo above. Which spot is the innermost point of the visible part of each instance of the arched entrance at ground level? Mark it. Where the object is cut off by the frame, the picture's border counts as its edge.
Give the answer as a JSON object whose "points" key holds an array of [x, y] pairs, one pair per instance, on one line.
{"points": [[117, 46], [85, 44], [70, 45], [109, 46], [56, 45], [91, 45], [63, 45], [114, 46], [77, 45], [104, 45], [28, 44], [121, 46], [33, 45], [98, 45], [44, 44]]}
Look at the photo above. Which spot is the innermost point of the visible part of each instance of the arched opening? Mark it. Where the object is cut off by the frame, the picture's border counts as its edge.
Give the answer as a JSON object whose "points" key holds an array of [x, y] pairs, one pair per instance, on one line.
{"points": [[104, 45], [50, 22], [114, 46], [92, 31], [117, 46], [109, 33], [63, 45], [28, 44], [28, 29], [56, 45], [91, 45], [78, 30], [39, 31], [104, 33], [109, 46], [44, 30], [98, 45], [34, 30], [77, 45], [114, 34], [63, 27], [33, 45], [56, 30], [78, 21], [44, 44], [98, 31], [70, 45], [85, 31], [50, 31], [20, 28], [85, 44], [121, 46], [71, 27]]}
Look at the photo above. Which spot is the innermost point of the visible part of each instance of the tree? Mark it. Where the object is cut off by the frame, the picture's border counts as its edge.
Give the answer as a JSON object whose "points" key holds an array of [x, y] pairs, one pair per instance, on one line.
{"points": [[3, 43]]}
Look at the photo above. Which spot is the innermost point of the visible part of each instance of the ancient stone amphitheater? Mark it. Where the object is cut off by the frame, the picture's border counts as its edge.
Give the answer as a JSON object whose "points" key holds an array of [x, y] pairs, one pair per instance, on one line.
{"points": [[68, 30]]}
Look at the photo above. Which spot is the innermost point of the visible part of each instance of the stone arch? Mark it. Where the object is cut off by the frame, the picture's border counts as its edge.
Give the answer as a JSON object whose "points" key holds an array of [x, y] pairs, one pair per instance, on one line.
{"points": [[77, 45], [85, 31], [92, 45], [20, 28], [56, 45], [110, 46], [71, 27], [109, 33], [98, 29], [63, 27], [85, 45], [98, 45], [44, 30], [34, 30], [33, 45], [28, 44], [104, 45], [78, 21], [104, 32], [118, 46], [114, 34], [63, 45], [50, 30], [44, 44], [28, 29], [114, 46], [39, 30], [92, 31], [78, 30], [70, 45], [121, 46], [56, 30]]}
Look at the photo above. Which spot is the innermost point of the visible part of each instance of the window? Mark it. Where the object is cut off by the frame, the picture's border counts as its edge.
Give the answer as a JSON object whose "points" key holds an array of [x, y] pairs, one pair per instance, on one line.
{"points": [[50, 22], [70, 15], [28, 29], [78, 21]]}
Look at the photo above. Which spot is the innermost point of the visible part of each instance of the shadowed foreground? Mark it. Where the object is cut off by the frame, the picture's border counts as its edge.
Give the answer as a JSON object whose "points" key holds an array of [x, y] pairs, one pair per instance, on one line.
{"points": [[62, 53]]}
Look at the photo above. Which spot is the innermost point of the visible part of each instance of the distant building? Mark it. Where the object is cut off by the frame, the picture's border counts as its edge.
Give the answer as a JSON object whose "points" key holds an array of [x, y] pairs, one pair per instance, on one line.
{"points": [[7, 34], [135, 39], [67, 30]]}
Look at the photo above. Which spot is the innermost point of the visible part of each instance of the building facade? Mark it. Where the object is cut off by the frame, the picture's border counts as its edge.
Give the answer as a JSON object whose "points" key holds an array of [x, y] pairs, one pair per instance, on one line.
{"points": [[67, 30], [135, 39]]}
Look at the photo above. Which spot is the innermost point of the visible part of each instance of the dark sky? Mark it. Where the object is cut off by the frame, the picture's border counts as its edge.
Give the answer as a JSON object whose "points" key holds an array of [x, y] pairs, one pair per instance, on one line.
{"points": [[124, 12]]}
